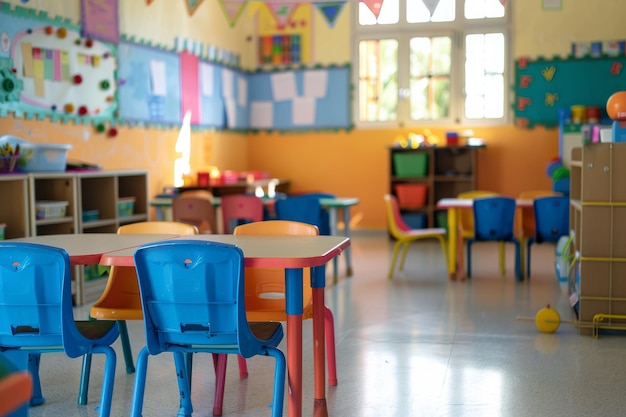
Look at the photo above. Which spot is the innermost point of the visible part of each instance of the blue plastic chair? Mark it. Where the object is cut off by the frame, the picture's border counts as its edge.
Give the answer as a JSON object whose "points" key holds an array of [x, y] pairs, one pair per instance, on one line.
{"points": [[192, 292], [551, 222], [36, 317], [494, 221], [306, 208]]}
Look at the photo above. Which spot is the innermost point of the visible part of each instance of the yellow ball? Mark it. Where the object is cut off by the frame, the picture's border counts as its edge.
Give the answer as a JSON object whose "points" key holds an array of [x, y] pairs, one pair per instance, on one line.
{"points": [[547, 320]]}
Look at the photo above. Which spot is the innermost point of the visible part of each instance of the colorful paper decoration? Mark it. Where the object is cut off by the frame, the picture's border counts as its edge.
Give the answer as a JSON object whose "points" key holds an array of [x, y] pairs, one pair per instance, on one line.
{"points": [[330, 10], [192, 5], [282, 12], [233, 9], [374, 6], [100, 20]]}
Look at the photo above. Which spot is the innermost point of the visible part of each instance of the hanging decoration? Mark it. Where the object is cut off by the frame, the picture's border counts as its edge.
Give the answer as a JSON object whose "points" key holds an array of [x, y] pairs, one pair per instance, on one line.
{"points": [[330, 10], [100, 20], [233, 10], [282, 12], [431, 5], [374, 6], [149, 2], [192, 5]]}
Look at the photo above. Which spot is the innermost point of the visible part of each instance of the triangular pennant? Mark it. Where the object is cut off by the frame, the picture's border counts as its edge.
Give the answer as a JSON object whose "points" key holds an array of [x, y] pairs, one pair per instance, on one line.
{"points": [[282, 12], [192, 5], [374, 6], [330, 10], [233, 9], [431, 5]]}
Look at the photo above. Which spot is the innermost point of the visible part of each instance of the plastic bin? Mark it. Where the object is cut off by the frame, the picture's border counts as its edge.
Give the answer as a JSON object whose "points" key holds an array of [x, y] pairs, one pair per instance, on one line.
{"points": [[415, 220], [411, 195], [2, 227], [410, 164], [38, 157], [125, 206], [50, 209], [90, 215]]}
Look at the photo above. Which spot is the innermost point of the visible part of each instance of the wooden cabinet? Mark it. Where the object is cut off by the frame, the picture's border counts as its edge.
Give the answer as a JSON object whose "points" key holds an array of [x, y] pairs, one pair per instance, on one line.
{"points": [[420, 177], [35, 198], [597, 219]]}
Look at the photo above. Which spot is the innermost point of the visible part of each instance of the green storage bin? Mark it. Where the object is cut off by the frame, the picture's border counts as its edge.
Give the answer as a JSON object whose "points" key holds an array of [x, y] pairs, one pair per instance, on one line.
{"points": [[410, 164], [441, 219]]}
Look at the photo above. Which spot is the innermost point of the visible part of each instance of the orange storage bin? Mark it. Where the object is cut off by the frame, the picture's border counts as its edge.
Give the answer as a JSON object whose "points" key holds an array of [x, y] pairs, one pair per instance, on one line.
{"points": [[411, 195]]}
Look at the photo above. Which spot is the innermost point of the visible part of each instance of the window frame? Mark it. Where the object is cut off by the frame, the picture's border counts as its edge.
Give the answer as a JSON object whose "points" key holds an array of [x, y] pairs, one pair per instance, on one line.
{"points": [[402, 32]]}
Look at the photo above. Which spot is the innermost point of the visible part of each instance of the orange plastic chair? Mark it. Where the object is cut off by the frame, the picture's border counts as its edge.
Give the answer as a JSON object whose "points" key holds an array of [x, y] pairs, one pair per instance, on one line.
{"points": [[405, 235], [196, 210], [265, 289], [236, 208], [120, 299]]}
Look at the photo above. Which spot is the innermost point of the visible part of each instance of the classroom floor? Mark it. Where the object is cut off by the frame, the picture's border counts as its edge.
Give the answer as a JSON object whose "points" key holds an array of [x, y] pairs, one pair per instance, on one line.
{"points": [[419, 345]]}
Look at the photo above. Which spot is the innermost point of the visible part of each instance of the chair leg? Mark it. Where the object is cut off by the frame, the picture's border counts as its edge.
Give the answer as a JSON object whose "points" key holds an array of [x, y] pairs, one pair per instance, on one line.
{"points": [[184, 384], [140, 383], [528, 243], [243, 367], [33, 367], [502, 259], [518, 260], [107, 381], [394, 255], [128, 354], [468, 246], [220, 361], [329, 327], [83, 389], [279, 381], [444, 248], [405, 250]]}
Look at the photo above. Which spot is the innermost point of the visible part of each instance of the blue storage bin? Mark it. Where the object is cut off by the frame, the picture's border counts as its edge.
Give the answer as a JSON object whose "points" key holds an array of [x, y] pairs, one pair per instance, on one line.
{"points": [[416, 220]]}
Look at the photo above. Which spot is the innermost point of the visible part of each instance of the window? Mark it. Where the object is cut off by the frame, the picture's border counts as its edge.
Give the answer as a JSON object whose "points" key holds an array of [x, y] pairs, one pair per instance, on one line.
{"points": [[426, 61]]}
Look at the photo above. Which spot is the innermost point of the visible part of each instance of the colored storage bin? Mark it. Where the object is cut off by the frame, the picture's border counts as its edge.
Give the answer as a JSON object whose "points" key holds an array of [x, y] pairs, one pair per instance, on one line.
{"points": [[90, 215], [415, 220], [50, 209], [441, 219], [125, 206], [38, 157], [411, 195], [2, 227], [410, 164]]}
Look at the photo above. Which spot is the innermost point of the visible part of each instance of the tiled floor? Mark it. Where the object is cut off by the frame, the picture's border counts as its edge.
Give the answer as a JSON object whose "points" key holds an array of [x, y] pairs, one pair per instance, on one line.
{"points": [[419, 345]]}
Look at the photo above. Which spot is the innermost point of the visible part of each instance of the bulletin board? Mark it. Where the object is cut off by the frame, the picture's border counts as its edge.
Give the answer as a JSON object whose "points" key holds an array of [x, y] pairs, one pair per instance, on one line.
{"points": [[149, 87], [544, 86], [300, 99]]}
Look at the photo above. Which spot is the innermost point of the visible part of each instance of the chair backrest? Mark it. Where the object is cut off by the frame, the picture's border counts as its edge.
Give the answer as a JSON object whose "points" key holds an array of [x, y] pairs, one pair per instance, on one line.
{"points": [[265, 287], [195, 210], [192, 294], [466, 217], [396, 225], [551, 218], [305, 208], [527, 218], [239, 209], [494, 218], [35, 296], [158, 227]]}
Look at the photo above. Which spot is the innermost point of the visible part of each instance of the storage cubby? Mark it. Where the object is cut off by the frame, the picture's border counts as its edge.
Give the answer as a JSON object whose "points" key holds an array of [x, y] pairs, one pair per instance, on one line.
{"points": [[14, 209], [444, 171]]}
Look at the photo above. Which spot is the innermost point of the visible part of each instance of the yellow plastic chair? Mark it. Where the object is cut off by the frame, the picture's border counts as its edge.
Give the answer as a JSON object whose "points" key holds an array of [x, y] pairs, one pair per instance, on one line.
{"points": [[195, 209], [466, 223], [265, 289], [405, 235], [120, 299]]}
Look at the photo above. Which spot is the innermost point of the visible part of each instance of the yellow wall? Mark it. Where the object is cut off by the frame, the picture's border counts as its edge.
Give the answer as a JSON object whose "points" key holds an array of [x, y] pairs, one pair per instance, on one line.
{"points": [[353, 163]]}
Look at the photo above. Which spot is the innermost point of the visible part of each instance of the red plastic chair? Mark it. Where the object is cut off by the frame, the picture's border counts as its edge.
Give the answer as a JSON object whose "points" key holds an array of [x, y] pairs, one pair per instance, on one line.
{"points": [[240, 209]]}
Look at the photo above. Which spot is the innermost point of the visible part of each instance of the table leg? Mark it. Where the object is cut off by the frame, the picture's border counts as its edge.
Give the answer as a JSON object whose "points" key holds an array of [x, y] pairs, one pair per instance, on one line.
{"points": [[452, 242], [293, 289], [332, 217], [346, 232], [319, 343]]}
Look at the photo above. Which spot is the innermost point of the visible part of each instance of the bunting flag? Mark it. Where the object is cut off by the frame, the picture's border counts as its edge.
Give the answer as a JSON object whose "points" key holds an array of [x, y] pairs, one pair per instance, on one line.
{"points": [[374, 6], [282, 12], [330, 10], [233, 9], [431, 5], [192, 5]]}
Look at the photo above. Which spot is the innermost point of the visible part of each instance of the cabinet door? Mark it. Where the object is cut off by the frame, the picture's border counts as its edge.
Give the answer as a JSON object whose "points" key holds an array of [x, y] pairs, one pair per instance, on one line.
{"points": [[596, 169]]}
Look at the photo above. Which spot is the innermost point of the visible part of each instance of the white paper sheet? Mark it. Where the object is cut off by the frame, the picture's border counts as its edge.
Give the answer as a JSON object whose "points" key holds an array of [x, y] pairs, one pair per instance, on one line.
{"points": [[261, 114], [284, 86], [231, 112], [303, 111], [242, 87], [157, 77], [228, 84], [206, 79], [316, 84]]}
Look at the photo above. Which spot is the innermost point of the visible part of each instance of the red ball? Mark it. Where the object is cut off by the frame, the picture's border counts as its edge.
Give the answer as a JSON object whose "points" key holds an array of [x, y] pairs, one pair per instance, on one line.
{"points": [[616, 106]]}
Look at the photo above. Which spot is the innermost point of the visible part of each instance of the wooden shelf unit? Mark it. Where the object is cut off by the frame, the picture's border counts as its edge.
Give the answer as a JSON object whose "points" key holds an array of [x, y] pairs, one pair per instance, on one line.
{"points": [[449, 170], [598, 219], [94, 190]]}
